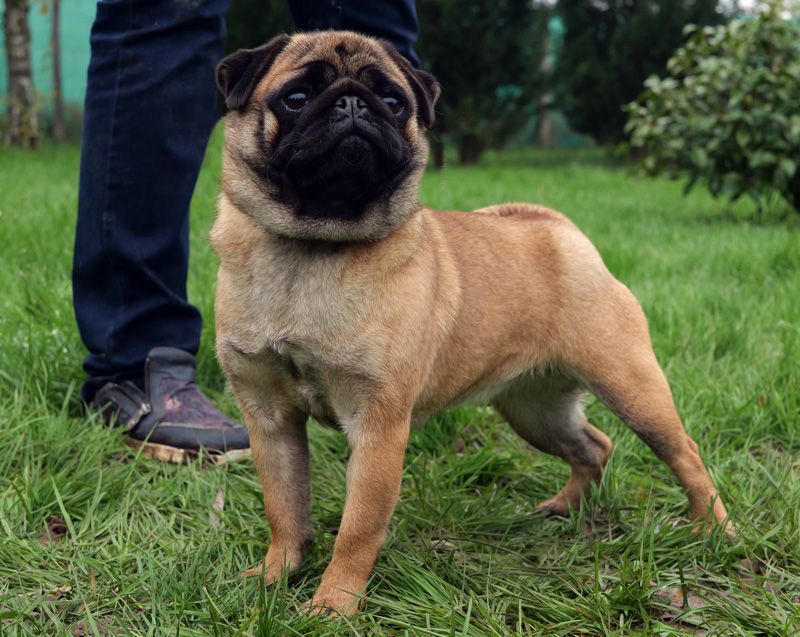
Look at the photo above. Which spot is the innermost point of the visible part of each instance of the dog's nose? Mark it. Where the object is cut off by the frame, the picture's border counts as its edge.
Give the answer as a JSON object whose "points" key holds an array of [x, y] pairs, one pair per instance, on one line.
{"points": [[351, 105]]}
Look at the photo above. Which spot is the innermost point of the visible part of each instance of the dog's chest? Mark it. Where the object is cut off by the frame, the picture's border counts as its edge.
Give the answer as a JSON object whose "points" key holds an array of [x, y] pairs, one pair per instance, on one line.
{"points": [[297, 334], [308, 381], [302, 374], [298, 296]]}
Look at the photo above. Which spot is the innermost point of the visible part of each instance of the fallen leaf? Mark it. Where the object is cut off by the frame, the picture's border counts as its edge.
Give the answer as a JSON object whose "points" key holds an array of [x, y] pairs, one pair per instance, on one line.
{"points": [[216, 509], [84, 629], [756, 566], [441, 546], [674, 597], [56, 529], [751, 572], [678, 604], [57, 593]]}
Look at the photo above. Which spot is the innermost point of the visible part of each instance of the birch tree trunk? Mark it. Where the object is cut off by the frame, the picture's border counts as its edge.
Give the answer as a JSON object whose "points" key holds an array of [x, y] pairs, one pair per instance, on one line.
{"points": [[23, 127], [55, 50]]}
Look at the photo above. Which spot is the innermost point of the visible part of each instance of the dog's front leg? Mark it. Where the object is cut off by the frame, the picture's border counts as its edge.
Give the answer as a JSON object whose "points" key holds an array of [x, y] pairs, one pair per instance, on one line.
{"points": [[280, 452], [373, 485]]}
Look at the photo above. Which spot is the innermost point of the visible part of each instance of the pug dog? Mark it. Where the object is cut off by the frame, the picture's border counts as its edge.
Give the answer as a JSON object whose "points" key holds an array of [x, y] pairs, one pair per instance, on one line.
{"points": [[341, 297]]}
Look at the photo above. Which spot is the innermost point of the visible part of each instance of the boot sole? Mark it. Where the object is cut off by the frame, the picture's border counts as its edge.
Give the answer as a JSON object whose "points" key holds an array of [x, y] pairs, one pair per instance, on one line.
{"points": [[176, 455]]}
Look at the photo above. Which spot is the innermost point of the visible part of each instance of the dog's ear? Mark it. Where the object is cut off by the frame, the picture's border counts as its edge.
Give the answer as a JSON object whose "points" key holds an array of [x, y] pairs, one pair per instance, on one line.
{"points": [[425, 87], [239, 72]]}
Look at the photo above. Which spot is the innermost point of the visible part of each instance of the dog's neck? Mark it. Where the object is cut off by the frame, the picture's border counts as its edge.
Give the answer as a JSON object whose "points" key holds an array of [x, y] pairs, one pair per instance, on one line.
{"points": [[391, 250], [236, 233]]}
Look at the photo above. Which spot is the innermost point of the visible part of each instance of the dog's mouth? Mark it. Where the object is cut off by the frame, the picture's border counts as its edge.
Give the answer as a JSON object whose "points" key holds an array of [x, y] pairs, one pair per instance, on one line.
{"points": [[329, 170], [354, 152], [335, 179]]}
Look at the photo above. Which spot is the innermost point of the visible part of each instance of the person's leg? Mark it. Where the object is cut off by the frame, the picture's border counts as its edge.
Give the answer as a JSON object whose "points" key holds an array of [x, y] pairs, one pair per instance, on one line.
{"points": [[150, 106], [393, 20]]}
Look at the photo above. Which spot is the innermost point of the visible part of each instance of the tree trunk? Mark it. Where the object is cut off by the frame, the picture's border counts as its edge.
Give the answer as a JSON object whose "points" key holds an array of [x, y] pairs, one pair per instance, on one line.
{"points": [[58, 99], [23, 127], [544, 135], [469, 150], [437, 147]]}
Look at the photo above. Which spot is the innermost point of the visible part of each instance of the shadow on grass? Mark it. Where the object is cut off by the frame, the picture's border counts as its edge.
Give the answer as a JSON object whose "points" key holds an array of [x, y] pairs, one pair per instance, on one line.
{"points": [[540, 158]]}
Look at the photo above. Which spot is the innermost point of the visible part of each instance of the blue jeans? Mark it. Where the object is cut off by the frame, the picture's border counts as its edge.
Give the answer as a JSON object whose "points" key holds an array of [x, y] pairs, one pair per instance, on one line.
{"points": [[149, 110]]}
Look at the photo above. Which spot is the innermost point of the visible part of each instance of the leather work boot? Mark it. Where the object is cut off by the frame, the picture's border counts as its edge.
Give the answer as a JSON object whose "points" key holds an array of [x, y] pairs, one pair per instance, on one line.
{"points": [[172, 420]]}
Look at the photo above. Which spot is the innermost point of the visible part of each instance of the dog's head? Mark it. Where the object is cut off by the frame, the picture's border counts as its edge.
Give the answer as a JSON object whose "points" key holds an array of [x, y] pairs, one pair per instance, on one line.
{"points": [[325, 138]]}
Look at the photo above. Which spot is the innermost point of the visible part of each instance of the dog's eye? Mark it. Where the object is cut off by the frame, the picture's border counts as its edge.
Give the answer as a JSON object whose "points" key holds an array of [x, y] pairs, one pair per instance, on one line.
{"points": [[296, 99], [394, 102]]}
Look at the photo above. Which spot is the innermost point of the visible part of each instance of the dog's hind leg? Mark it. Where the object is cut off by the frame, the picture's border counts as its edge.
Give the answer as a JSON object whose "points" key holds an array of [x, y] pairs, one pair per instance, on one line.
{"points": [[547, 413], [618, 365]]}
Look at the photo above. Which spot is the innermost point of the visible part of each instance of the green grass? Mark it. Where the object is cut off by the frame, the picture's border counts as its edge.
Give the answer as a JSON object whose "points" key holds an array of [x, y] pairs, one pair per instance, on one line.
{"points": [[144, 554]]}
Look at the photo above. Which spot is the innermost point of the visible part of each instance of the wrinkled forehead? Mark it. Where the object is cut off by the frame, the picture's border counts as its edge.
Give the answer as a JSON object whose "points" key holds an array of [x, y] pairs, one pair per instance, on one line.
{"points": [[346, 54]]}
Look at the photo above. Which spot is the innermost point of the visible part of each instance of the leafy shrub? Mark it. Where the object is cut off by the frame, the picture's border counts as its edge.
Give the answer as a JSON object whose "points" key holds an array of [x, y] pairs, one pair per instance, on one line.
{"points": [[609, 48], [728, 114]]}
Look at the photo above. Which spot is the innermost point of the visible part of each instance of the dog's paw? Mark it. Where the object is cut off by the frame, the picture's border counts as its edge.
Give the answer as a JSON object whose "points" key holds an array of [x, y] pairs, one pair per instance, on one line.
{"points": [[278, 562], [333, 601], [707, 527], [556, 506]]}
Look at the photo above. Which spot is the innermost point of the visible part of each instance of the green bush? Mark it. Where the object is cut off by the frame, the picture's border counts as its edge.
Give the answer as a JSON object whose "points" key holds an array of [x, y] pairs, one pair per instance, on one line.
{"points": [[608, 50], [728, 114]]}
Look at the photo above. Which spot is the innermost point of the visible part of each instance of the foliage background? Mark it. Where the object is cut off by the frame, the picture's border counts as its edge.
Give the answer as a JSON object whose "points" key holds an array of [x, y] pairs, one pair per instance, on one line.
{"points": [[610, 48], [727, 113]]}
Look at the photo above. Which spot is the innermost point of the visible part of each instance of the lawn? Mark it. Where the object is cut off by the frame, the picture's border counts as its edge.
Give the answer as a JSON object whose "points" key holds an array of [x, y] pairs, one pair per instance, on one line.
{"points": [[136, 547]]}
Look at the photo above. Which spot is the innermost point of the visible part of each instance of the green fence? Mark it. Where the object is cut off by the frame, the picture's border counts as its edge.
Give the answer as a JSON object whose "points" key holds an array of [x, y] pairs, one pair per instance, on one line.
{"points": [[76, 23]]}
